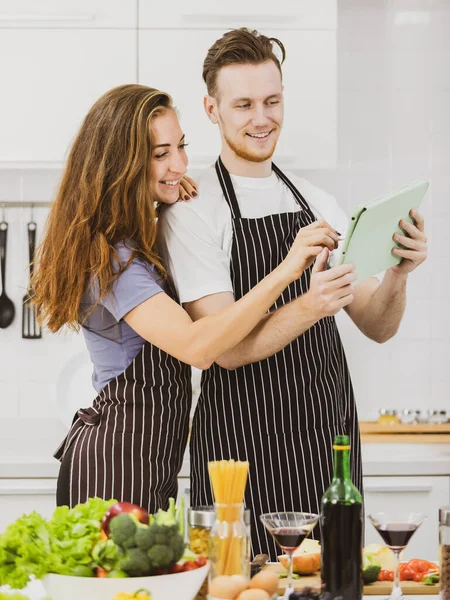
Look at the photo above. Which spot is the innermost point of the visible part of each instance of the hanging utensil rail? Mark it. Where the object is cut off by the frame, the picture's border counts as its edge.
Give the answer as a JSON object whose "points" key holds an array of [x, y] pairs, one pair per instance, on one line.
{"points": [[19, 204]]}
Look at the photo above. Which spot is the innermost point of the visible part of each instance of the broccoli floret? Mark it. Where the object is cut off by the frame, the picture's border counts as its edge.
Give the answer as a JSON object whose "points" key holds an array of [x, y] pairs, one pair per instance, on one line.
{"points": [[161, 557], [123, 529], [135, 563], [167, 538], [145, 537]]}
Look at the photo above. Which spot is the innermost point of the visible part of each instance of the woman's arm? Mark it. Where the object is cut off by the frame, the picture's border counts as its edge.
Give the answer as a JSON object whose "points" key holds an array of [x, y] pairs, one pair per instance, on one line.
{"points": [[165, 324]]}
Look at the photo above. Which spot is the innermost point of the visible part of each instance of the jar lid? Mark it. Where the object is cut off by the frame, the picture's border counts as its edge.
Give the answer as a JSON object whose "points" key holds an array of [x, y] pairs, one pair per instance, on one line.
{"points": [[204, 516], [387, 411], [444, 516]]}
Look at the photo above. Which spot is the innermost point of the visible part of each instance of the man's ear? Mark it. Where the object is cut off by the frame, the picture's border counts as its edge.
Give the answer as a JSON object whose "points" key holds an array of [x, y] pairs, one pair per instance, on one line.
{"points": [[210, 106]]}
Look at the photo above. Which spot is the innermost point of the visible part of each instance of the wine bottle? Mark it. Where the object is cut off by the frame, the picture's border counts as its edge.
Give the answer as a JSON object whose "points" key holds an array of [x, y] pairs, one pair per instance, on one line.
{"points": [[341, 530]]}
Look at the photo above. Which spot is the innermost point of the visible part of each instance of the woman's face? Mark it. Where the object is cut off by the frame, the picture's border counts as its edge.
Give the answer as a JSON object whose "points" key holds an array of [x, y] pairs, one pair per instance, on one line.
{"points": [[169, 159]]}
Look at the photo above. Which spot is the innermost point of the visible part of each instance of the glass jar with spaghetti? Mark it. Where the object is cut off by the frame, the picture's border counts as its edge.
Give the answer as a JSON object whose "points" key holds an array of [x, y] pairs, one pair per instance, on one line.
{"points": [[229, 542]]}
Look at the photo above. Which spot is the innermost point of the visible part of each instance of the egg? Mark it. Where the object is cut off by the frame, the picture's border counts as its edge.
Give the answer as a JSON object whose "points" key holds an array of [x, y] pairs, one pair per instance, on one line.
{"points": [[265, 580], [224, 586], [242, 581], [253, 595]]}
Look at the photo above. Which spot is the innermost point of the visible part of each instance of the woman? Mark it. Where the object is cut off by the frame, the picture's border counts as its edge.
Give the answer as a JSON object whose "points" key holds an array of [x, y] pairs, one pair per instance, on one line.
{"points": [[98, 269]]}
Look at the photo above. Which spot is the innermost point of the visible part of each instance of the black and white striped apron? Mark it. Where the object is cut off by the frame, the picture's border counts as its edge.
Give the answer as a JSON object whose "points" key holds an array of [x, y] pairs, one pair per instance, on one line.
{"points": [[130, 444], [282, 413]]}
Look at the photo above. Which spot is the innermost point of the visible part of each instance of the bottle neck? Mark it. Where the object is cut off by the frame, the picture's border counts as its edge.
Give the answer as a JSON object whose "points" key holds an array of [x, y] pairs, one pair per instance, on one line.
{"points": [[342, 463]]}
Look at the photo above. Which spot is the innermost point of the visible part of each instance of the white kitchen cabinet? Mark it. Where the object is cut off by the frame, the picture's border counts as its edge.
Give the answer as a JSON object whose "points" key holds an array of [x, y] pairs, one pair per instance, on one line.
{"points": [[409, 494], [68, 13], [23, 496], [172, 61], [203, 14], [50, 80]]}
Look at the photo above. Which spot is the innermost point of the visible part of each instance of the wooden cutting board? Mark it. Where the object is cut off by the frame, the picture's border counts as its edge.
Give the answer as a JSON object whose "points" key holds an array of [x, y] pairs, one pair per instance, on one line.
{"points": [[378, 588]]}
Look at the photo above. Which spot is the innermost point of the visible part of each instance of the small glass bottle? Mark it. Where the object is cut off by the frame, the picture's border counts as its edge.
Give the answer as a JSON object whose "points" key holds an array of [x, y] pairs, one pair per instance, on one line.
{"points": [[342, 525], [444, 543], [229, 542]]}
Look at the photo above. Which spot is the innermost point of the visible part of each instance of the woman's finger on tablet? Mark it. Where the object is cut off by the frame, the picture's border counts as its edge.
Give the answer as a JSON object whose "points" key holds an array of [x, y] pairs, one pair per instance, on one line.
{"points": [[412, 255]]}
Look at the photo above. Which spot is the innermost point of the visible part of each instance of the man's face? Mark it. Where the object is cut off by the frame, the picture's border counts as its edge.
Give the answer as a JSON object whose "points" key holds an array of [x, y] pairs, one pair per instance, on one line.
{"points": [[249, 109]]}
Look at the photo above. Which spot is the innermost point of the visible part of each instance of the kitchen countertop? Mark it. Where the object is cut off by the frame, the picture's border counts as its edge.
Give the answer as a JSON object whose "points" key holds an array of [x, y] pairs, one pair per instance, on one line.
{"points": [[378, 460]]}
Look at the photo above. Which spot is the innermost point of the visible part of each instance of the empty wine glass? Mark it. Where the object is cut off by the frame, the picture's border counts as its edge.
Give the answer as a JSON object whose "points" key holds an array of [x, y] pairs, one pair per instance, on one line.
{"points": [[396, 531], [289, 529]]}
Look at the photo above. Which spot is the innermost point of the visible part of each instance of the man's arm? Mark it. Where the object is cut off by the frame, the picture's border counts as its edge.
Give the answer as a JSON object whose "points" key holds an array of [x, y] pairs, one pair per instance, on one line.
{"points": [[377, 309], [329, 292]]}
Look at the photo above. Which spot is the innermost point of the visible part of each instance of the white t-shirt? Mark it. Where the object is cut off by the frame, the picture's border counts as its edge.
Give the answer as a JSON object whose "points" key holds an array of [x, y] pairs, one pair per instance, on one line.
{"points": [[195, 237]]}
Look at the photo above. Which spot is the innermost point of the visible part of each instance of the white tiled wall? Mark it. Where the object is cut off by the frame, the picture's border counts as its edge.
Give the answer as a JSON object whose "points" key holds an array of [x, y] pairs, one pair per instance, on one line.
{"points": [[393, 127]]}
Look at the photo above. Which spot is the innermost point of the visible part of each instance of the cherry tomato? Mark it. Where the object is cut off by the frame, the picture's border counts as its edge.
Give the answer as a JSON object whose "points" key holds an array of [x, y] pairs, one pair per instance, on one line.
{"points": [[176, 568], [418, 577], [190, 565], [407, 574], [200, 561], [386, 575]]}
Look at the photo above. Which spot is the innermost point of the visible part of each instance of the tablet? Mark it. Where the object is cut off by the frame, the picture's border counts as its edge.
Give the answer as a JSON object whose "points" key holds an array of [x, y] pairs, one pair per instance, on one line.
{"points": [[369, 240]]}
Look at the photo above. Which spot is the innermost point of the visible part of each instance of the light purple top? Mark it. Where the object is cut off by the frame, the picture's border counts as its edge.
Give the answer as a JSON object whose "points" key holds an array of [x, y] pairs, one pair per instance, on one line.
{"points": [[111, 342]]}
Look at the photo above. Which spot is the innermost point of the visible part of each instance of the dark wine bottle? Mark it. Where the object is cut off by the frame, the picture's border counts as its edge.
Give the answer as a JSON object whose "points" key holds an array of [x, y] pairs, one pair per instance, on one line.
{"points": [[341, 530]]}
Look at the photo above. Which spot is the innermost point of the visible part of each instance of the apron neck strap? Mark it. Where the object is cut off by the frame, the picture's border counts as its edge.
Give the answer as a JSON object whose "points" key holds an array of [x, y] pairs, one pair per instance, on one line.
{"points": [[227, 189], [230, 196]]}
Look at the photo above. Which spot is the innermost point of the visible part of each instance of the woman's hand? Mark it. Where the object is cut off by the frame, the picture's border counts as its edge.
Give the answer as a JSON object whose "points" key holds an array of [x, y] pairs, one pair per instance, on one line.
{"points": [[188, 189], [308, 244]]}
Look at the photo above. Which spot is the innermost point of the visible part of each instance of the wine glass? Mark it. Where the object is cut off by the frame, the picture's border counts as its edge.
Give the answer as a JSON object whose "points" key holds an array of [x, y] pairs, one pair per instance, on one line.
{"points": [[289, 529], [396, 531]]}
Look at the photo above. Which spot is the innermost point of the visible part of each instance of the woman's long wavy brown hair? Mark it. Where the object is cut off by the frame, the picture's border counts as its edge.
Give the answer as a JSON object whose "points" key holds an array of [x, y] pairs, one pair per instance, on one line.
{"points": [[104, 197]]}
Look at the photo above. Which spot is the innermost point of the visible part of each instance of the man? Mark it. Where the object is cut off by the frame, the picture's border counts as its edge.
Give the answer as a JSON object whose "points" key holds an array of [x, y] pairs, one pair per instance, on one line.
{"points": [[280, 396]]}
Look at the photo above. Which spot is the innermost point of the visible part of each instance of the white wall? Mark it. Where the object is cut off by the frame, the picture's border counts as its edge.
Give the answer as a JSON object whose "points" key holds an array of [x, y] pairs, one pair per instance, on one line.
{"points": [[393, 98]]}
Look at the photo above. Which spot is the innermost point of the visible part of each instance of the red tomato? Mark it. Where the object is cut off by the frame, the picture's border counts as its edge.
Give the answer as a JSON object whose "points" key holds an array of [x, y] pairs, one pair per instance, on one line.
{"points": [[418, 577], [176, 568], [419, 565], [200, 561], [386, 575], [407, 574], [190, 565]]}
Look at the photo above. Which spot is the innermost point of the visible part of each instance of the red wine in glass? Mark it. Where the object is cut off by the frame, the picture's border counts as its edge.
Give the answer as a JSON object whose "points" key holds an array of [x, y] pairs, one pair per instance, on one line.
{"points": [[289, 538], [396, 535]]}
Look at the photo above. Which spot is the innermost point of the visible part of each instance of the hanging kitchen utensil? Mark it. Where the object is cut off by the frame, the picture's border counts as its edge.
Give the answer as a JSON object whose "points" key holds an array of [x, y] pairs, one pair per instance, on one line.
{"points": [[30, 326], [7, 310]]}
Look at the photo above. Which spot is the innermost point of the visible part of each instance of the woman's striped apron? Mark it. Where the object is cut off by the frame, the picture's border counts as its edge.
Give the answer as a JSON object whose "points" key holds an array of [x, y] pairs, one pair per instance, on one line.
{"points": [[282, 413], [130, 444]]}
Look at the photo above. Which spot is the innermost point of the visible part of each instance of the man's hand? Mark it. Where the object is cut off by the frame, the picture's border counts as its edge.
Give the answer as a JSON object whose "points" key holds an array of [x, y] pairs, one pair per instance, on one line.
{"points": [[308, 244], [415, 245], [332, 289]]}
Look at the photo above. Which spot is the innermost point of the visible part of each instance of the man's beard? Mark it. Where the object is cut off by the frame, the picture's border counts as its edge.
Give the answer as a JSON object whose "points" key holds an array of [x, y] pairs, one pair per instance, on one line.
{"points": [[242, 152]]}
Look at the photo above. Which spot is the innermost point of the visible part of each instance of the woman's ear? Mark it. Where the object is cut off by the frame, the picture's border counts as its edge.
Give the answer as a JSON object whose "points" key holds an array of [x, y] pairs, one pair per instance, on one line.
{"points": [[210, 106]]}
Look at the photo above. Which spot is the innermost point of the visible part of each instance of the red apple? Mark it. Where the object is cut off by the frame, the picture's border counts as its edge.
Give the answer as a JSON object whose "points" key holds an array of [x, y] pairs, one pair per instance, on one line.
{"points": [[124, 507]]}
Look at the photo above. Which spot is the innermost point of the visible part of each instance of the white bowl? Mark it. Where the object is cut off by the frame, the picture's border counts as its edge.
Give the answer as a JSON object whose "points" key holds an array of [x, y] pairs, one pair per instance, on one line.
{"points": [[179, 586]]}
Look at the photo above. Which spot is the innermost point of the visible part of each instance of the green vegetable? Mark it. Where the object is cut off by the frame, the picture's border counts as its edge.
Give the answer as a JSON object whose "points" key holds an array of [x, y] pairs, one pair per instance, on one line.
{"points": [[123, 529], [294, 576], [13, 597], [371, 569], [117, 574], [431, 579], [33, 546], [105, 554], [167, 536], [135, 563], [161, 557]]}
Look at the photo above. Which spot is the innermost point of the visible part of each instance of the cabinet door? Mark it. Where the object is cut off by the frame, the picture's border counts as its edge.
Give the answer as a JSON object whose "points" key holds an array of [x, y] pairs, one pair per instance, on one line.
{"points": [[409, 494], [23, 496], [203, 14], [172, 61], [49, 82], [68, 13]]}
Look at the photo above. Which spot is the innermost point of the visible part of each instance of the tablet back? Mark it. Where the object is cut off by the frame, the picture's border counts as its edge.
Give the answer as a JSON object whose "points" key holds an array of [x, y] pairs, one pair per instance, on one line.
{"points": [[368, 243]]}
